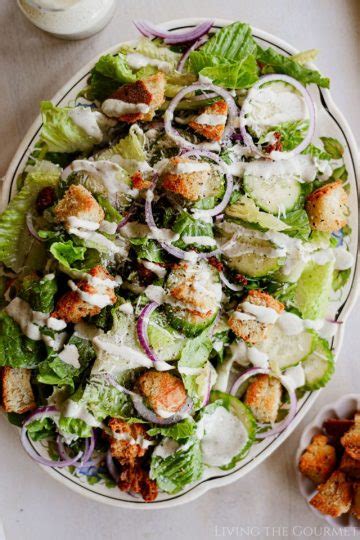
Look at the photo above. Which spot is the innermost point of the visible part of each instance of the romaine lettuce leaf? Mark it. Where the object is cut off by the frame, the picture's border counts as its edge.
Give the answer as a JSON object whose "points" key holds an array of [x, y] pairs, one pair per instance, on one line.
{"points": [[274, 62], [39, 293], [313, 290], [67, 253], [233, 42], [298, 224], [153, 49], [17, 350], [180, 431], [185, 224], [108, 74], [18, 249], [41, 429], [182, 467], [148, 249]]}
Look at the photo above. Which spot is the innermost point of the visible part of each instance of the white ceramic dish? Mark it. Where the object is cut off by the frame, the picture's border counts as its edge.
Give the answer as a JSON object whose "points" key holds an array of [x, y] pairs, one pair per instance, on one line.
{"points": [[331, 123], [345, 407]]}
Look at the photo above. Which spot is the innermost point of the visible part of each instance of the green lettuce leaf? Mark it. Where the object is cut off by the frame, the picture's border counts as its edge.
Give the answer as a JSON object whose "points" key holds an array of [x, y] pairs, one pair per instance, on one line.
{"points": [[340, 278], [180, 431], [17, 350], [233, 42], [109, 72], [67, 253], [18, 249], [105, 400], [148, 249], [154, 50], [291, 134], [185, 224], [42, 429], [182, 467], [56, 372], [274, 62], [60, 133], [313, 290], [39, 293], [333, 147], [298, 224]]}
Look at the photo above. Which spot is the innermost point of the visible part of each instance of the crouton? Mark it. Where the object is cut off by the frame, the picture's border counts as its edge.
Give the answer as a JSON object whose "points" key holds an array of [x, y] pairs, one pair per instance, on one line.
{"points": [[16, 391], [78, 202], [71, 307], [190, 185], [149, 91], [217, 110], [351, 439], [355, 505], [250, 329], [327, 207], [334, 496], [319, 459], [163, 391], [127, 443], [139, 182], [136, 480], [263, 396], [350, 466]]}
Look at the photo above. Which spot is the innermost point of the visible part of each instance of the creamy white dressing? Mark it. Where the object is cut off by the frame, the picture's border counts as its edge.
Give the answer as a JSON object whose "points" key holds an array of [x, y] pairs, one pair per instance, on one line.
{"points": [[126, 308], [155, 268], [139, 441], [263, 314], [56, 342], [300, 168], [108, 227], [22, 314], [138, 61], [191, 166], [75, 409], [73, 221], [90, 121], [155, 293], [70, 355], [343, 258], [295, 376], [132, 165], [95, 239], [211, 119], [114, 108], [166, 448], [224, 436], [56, 324], [85, 330], [257, 358], [98, 300], [200, 240], [185, 370]]}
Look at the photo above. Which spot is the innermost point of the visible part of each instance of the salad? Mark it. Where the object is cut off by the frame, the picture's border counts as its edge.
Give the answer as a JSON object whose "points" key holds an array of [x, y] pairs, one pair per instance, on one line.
{"points": [[168, 260]]}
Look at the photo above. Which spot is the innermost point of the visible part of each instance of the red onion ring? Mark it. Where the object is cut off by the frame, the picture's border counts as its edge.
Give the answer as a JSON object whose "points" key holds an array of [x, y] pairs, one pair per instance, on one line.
{"points": [[229, 285], [280, 426], [142, 329], [125, 219], [39, 414], [248, 140], [31, 228], [168, 116], [186, 54], [149, 29]]}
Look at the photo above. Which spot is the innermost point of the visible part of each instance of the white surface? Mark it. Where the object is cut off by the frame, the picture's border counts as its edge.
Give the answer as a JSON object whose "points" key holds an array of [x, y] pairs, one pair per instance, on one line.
{"points": [[34, 67]]}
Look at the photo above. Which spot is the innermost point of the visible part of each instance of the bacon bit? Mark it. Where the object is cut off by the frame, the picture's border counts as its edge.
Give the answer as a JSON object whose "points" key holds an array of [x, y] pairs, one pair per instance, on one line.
{"points": [[139, 182], [135, 479], [214, 261], [277, 146], [45, 199], [241, 279], [146, 276]]}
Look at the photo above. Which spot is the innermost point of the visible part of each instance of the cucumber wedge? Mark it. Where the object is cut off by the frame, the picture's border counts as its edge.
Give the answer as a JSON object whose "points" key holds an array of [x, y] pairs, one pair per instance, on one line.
{"points": [[319, 366], [254, 265], [286, 351], [276, 194]]}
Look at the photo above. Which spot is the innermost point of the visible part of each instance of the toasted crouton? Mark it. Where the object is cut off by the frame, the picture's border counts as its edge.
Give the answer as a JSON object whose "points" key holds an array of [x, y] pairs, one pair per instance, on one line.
{"points": [[263, 396], [351, 439], [16, 392], [135, 479], [250, 329], [139, 182], [334, 496], [78, 202], [319, 459], [327, 207], [212, 132], [190, 185], [350, 466], [72, 308], [355, 506], [126, 444], [149, 91], [163, 391]]}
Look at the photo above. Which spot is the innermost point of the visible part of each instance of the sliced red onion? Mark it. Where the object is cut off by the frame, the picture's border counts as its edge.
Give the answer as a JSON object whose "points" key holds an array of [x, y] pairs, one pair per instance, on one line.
{"points": [[31, 228], [125, 219], [186, 54], [280, 426], [39, 414], [173, 133], [111, 466], [149, 29], [229, 182], [142, 329], [230, 285], [248, 140]]}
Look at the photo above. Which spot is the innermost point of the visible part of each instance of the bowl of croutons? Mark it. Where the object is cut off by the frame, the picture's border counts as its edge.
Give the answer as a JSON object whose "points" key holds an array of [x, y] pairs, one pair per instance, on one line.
{"points": [[328, 462]]}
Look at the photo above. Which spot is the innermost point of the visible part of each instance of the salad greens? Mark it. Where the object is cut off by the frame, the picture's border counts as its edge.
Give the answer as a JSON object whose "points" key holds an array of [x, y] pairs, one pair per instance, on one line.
{"points": [[175, 226]]}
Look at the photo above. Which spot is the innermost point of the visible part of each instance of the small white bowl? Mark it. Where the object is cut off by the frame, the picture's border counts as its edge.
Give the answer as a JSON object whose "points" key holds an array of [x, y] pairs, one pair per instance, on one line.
{"points": [[345, 407]]}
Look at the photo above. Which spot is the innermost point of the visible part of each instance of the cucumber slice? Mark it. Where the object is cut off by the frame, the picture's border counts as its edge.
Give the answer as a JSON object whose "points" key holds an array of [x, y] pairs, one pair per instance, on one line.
{"points": [[190, 324], [254, 265], [242, 413], [313, 290], [276, 194], [319, 366], [286, 351]]}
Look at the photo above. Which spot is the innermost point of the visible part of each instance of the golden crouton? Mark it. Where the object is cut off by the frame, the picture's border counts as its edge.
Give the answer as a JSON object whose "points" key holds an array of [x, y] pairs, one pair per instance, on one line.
{"points": [[16, 392], [139, 182], [334, 496], [350, 466], [327, 207], [135, 479], [72, 308], [125, 450], [263, 396], [149, 91], [192, 186], [351, 439], [213, 133], [355, 506], [251, 330], [78, 202], [163, 391], [319, 459]]}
